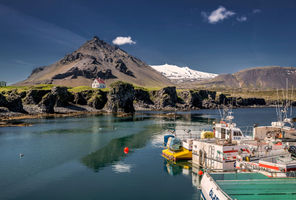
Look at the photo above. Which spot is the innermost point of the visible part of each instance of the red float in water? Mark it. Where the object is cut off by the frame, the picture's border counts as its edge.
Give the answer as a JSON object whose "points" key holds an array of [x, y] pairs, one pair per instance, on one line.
{"points": [[200, 172], [126, 150]]}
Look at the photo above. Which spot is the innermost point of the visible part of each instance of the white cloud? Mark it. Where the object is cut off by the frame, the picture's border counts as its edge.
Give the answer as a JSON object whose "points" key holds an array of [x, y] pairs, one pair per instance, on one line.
{"points": [[123, 40], [256, 11], [242, 18], [217, 15]]}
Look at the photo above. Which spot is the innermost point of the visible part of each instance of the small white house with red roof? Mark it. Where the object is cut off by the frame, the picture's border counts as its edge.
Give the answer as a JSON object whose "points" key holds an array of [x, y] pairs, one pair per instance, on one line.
{"points": [[99, 83]]}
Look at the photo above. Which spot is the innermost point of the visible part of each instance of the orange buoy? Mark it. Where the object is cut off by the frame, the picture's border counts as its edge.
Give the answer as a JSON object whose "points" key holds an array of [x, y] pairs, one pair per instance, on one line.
{"points": [[200, 172], [126, 150]]}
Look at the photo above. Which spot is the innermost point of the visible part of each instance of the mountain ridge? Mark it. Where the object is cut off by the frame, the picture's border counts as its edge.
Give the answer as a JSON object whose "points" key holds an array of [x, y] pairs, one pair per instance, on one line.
{"points": [[96, 58], [267, 77], [182, 74]]}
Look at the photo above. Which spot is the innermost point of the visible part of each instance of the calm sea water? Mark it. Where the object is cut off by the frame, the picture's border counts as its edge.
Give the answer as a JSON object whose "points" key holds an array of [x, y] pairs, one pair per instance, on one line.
{"points": [[83, 158]]}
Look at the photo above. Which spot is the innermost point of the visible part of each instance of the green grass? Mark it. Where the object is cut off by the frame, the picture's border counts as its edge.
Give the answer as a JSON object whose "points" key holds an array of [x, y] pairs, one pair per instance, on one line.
{"points": [[81, 89], [244, 93], [26, 88]]}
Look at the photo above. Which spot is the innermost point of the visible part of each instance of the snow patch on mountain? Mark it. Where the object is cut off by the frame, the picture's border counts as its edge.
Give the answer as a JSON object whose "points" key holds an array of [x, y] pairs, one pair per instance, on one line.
{"points": [[182, 74]]}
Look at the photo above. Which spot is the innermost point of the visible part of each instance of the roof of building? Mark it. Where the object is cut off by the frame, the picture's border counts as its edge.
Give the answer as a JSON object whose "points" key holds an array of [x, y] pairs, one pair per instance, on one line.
{"points": [[100, 80]]}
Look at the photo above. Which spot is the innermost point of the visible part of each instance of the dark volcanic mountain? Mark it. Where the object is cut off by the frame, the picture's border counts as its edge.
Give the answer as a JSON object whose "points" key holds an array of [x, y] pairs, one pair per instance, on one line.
{"points": [[94, 59], [260, 77]]}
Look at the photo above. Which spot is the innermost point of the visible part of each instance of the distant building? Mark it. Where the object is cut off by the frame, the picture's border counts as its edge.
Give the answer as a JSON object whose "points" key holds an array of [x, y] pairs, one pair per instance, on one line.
{"points": [[2, 83], [98, 83]]}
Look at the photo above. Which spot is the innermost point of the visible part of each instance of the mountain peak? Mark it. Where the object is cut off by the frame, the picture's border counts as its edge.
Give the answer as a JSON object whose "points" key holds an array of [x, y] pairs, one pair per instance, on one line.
{"points": [[182, 74], [96, 58]]}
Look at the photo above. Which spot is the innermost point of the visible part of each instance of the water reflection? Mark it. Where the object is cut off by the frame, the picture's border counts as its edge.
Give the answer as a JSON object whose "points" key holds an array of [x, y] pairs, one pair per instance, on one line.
{"points": [[113, 152], [122, 168], [177, 168]]}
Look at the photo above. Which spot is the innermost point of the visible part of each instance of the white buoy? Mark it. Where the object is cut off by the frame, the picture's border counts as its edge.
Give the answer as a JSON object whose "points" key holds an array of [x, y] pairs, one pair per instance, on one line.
{"points": [[21, 155]]}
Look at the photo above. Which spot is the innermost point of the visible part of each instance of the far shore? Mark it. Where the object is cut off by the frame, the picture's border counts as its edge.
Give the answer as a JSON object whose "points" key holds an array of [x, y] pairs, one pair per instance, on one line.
{"points": [[15, 119]]}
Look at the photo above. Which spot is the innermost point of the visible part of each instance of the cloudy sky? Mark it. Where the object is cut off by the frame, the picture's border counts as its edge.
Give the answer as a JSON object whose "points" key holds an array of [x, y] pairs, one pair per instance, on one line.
{"points": [[213, 36]]}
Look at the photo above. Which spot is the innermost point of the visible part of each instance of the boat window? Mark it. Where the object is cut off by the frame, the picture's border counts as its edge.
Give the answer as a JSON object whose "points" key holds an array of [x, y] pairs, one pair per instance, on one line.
{"points": [[228, 132], [222, 133], [237, 133]]}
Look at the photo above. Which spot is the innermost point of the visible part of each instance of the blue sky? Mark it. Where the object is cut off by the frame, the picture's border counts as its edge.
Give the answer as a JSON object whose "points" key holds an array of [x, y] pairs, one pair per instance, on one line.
{"points": [[212, 36]]}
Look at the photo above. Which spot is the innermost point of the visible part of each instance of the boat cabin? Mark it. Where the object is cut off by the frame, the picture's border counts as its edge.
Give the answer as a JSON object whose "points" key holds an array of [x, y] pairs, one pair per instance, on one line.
{"points": [[228, 131]]}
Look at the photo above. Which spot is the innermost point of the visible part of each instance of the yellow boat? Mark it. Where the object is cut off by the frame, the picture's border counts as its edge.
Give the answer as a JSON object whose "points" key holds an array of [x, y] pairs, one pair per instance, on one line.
{"points": [[182, 154], [181, 150]]}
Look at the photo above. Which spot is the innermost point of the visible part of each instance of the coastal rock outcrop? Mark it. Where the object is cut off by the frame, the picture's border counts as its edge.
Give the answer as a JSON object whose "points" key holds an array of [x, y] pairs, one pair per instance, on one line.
{"points": [[47, 103], [142, 98], [166, 97], [14, 102], [98, 100], [34, 96], [63, 97], [121, 97], [3, 101]]}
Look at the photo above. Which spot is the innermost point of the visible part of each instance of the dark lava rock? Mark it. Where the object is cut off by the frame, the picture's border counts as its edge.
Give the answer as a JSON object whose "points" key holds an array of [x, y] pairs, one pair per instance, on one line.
{"points": [[250, 101], [198, 97], [120, 65], [143, 96], [168, 97], [98, 100], [3, 101], [222, 99], [47, 103], [63, 97], [90, 73], [34, 96], [71, 57], [79, 98], [107, 74], [14, 102], [121, 97]]}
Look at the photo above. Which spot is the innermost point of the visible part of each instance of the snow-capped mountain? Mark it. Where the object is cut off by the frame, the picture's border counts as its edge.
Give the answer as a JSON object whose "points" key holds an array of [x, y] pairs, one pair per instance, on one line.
{"points": [[182, 74]]}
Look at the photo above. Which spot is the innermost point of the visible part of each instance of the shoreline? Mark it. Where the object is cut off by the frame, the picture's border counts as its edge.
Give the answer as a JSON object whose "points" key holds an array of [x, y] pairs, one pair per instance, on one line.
{"points": [[11, 119]]}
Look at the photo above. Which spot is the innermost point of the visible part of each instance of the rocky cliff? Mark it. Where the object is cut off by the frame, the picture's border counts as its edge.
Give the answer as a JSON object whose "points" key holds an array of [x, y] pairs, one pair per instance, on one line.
{"points": [[121, 98]]}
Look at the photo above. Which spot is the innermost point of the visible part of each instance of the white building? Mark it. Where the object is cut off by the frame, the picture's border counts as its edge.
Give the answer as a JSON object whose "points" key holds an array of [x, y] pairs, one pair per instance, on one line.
{"points": [[98, 83], [2, 83]]}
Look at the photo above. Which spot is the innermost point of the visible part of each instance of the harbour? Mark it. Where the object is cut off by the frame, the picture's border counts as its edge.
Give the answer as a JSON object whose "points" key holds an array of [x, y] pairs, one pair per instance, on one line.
{"points": [[83, 156]]}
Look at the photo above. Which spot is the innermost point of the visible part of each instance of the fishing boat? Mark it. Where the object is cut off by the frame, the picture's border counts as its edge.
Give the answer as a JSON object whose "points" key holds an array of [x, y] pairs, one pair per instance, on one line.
{"points": [[228, 186], [276, 167]]}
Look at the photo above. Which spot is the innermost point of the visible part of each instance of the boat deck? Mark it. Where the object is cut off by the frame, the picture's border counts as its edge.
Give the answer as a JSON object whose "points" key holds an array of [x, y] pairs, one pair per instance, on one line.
{"points": [[255, 186]]}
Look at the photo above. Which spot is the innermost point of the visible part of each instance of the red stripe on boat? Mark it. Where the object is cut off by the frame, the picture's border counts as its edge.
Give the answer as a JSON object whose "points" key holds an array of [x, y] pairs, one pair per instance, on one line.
{"points": [[268, 166]]}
